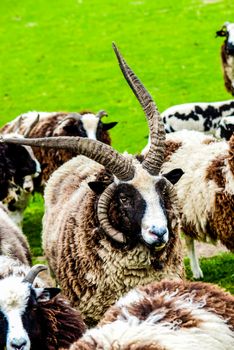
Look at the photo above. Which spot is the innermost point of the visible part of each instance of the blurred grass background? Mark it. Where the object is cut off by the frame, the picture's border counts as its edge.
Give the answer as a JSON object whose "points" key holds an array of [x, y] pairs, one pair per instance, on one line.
{"points": [[57, 56]]}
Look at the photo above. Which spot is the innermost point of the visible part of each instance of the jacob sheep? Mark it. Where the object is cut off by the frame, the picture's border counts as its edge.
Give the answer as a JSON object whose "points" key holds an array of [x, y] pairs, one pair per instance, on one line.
{"points": [[167, 315], [32, 316], [111, 222], [207, 117], [84, 124], [227, 55], [205, 191]]}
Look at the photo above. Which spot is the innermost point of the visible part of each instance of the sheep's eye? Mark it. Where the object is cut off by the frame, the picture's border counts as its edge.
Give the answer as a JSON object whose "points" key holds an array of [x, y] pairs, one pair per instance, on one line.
{"points": [[124, 199]]}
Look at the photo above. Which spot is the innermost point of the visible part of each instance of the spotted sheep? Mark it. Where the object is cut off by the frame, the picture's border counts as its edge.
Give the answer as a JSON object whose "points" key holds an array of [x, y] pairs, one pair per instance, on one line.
{"points": [[84, 124], [227, 55], [206, 190], [166, 315], [118, 222], [208, 117]]}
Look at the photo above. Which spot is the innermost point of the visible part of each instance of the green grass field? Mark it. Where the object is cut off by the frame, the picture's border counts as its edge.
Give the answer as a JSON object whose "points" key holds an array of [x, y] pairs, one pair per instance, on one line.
{"points": [[57, 55]]}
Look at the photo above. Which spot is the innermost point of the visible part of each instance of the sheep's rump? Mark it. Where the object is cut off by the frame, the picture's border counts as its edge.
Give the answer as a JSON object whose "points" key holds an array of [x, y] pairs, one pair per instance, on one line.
{"points": [[92, 273], [165, 316]]}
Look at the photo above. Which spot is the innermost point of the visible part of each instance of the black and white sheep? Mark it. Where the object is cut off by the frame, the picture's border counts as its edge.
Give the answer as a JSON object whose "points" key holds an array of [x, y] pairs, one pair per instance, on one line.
{"points": [[84, 124], [111, 222], [167, 315], [227, 55], [206, 190], [17, 166], [33, 317], [208, 117]]}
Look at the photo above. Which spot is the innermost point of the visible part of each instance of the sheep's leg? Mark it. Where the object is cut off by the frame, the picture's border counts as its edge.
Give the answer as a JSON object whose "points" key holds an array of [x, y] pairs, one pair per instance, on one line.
{"points": [[194, 262]]}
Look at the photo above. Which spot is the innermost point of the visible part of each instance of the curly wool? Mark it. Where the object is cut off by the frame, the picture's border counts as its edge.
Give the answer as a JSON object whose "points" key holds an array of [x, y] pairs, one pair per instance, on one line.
{"points": [[13, 243], [92, 272], [205, 192], [164, 316]]}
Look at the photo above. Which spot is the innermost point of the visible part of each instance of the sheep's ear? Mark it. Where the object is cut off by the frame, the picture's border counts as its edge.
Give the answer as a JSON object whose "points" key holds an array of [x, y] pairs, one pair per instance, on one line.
{"points": [[45, 294], [97, 186], [221, 33], [108, 126], [174, 175]]}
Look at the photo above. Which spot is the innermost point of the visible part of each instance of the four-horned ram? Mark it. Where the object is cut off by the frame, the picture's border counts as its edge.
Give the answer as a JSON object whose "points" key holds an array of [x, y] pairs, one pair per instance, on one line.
{"points": [[111, 222], [84, 124], [227, 55]]}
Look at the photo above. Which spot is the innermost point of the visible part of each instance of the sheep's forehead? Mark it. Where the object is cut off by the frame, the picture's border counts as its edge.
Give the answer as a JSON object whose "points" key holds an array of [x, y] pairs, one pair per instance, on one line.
{"points": [[90, 121], [230, 29], [142, 180], [13, 294]]}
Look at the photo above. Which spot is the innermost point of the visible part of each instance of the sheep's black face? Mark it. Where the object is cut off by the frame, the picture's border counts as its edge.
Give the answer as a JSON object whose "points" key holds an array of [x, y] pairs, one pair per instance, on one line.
{"points": [[126, 212], [21, 162], [73, 128]]}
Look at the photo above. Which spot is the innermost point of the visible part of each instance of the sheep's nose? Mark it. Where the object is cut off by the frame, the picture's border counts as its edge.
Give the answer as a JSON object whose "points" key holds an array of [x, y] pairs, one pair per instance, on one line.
{"points": [[18, 343], [158, 231]]}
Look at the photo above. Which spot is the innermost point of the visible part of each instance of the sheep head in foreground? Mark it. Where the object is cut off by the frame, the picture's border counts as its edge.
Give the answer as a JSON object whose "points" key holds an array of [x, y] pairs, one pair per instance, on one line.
{"points": [[121, 213], [35, 318], [227, 55]]}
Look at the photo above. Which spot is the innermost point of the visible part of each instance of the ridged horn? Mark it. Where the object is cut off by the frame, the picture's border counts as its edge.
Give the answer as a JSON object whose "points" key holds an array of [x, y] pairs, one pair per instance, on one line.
{"points": [[101, 114], [74, 116], [33, 272], [104, 154], [154, 159], [31, 126], [103, 217]]}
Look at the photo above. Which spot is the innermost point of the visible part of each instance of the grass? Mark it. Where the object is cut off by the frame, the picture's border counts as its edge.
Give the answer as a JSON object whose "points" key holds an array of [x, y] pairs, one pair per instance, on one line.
{"points": [[57, 55]]}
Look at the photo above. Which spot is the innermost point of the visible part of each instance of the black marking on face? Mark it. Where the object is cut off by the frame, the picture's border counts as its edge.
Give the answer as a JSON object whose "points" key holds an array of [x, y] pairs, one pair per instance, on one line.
{"points": [[74, 128], [126, 212], [3, 330]]}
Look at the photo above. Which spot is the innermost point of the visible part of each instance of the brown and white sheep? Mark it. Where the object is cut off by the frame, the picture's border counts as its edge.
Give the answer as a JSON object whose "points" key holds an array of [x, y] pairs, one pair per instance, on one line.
{"points": [[167, 315], [114, 225], [205, 191], [84, 124], [227, 55]]}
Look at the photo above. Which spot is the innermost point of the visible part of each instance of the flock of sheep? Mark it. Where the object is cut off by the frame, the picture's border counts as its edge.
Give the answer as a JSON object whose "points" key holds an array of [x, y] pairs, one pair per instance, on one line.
{"points": [[112, 225]]}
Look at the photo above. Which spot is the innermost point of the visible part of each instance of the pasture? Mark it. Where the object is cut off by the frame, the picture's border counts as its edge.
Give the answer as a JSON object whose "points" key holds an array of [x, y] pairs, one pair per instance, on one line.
{"points": [[57, 56]]}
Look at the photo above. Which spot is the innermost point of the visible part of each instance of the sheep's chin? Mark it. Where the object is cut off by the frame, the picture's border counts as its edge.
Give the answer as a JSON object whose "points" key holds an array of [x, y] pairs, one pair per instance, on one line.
{"points": [[158, 248]]}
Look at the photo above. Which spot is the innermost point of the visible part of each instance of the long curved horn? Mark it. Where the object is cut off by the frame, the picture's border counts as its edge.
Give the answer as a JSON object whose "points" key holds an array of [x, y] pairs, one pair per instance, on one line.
{"points": [[74, 116], [104, 154], [31, 126], [101, 114], [33, 272], [154, 159], [102, 212]]}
